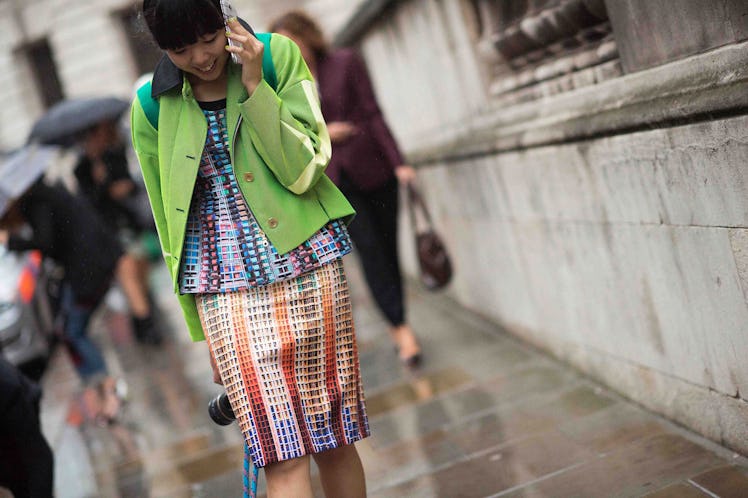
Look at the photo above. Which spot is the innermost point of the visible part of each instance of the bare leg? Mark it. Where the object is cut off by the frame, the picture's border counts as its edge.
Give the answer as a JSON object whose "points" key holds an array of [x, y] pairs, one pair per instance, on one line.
{"points": [[128, 276], [407, 344], [134, 283], [144, 270], [341, 472], [110, 401], [289, 478]]}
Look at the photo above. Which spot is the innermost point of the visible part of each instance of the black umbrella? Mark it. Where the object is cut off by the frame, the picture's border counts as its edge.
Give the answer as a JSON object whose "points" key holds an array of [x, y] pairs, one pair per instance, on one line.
{"points": [[65, 120]]}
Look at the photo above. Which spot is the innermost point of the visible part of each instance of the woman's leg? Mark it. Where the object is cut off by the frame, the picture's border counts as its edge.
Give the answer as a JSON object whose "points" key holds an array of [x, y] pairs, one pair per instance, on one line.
{"points": [[128, 275], [375, 235], [289, 478], [87, 357], [341, 472], [407, 344], [144, 272]]}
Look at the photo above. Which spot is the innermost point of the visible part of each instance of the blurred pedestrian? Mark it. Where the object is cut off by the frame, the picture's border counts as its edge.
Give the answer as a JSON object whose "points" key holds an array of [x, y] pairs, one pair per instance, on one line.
{"points": [[366, 164], [26, 460], [66, 229], [253, 233], [104, 179]]}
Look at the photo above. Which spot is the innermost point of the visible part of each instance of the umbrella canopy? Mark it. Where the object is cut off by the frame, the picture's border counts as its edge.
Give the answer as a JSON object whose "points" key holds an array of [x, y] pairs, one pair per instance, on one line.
{"points": [[66, 119], [21, 169]]}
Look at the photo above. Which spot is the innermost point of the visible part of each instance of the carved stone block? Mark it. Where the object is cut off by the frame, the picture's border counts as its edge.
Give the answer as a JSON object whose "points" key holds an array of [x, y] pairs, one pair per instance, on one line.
{"points": [[651, 33]]}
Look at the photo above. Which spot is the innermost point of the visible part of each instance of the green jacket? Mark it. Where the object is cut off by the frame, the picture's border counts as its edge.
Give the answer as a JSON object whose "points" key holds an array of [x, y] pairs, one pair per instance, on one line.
{"points": [[279, 149]]}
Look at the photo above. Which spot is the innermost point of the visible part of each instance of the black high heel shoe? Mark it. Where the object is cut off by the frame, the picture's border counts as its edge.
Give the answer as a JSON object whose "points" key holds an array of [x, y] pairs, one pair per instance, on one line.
{"points": [[411, 361]]}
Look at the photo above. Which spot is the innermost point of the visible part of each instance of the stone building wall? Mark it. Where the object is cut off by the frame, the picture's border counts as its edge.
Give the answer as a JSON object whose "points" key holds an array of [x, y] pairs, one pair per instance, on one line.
{"points": [[91, 49], [88, 48], [586, 162]]}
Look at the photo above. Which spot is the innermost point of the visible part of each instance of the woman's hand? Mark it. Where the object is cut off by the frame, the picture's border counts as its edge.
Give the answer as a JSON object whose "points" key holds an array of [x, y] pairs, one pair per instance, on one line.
{"points": [[405, 174], [250, 51], [98, 171], [340, 131], [120, 189]]}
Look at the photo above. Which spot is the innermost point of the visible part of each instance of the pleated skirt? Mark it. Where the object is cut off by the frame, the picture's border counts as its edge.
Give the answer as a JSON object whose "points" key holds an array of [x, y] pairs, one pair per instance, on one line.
{"points": [[288, 359]]}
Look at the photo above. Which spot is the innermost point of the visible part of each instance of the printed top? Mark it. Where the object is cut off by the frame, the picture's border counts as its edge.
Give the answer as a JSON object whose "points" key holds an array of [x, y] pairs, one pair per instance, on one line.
{"points": [[225, 249]]}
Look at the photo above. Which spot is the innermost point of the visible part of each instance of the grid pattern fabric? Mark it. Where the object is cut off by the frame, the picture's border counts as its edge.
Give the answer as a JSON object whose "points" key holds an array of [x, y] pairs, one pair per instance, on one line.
{"points": [[250, 475], [225, 249], [288, 358]]}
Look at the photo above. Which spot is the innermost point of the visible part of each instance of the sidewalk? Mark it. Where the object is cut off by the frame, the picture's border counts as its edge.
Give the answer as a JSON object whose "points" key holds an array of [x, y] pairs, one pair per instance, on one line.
{"points": [[485, 416]]}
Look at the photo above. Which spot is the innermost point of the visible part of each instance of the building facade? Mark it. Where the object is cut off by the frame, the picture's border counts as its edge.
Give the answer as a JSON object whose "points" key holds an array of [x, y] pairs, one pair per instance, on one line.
{"points": [[587, 162], [55, 49]]}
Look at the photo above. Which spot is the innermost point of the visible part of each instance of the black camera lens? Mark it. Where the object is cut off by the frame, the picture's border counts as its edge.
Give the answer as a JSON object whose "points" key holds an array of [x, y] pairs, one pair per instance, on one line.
{"points": [[220, 410]]}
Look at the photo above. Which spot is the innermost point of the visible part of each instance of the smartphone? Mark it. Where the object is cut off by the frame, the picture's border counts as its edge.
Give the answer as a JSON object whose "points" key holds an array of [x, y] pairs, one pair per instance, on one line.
{"points": [[229, 11]]}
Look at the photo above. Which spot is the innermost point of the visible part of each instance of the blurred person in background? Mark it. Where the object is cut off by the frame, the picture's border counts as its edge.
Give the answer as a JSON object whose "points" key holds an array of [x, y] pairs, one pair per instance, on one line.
{"points": [[104, 179], [26, 460], [66, 229], [366, 164]]}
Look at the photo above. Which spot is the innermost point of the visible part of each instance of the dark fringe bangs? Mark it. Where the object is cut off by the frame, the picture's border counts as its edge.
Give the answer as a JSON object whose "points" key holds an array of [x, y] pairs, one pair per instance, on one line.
{"points": [[175, 24]]}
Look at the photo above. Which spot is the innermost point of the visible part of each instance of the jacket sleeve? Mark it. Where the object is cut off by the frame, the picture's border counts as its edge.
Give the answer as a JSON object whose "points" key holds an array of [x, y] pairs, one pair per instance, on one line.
{"points": [[286, 125], [145, 143], [370, 111]]}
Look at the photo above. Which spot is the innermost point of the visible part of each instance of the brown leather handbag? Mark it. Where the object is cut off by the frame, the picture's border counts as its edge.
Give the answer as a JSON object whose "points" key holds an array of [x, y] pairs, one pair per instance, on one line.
{"points": [[433, 258]]}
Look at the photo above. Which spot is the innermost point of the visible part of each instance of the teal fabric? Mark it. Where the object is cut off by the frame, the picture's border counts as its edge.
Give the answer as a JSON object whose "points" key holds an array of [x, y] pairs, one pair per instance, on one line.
{"points": [[151, 106], [268, 68]]}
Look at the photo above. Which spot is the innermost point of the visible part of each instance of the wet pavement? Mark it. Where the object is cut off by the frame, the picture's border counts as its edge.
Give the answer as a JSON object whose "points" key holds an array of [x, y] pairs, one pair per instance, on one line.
{"points": [[485, 416]]}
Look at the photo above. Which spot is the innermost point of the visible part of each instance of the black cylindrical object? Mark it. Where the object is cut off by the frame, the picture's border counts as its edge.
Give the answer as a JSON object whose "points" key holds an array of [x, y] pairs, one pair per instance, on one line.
{"points": [[220, 410]]}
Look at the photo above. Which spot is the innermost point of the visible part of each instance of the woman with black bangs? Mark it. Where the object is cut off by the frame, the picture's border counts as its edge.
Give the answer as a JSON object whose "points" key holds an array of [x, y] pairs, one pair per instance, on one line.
{"points": [[253, 233]]}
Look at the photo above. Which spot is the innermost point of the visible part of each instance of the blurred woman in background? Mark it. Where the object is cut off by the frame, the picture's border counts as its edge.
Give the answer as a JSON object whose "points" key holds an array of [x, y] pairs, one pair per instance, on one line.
{"points": [[366, 164]]}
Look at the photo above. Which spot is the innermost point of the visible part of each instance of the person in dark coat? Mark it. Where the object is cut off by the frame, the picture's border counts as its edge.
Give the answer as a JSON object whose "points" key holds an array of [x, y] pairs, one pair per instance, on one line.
{"points": [[26, 460], [366, 165], [66, 229], [104, 179]]}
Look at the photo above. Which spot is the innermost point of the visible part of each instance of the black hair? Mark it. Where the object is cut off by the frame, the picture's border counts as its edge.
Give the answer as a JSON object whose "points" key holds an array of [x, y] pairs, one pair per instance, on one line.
{"points": [[177, 23]]}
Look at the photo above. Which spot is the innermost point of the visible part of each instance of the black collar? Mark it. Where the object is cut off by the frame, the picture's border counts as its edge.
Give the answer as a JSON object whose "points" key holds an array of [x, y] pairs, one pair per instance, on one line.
{"points": [[167, 76]]}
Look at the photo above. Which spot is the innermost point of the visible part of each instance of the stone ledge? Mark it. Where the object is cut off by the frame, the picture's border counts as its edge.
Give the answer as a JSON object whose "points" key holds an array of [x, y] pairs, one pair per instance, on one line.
{"points": [[701, 87]]}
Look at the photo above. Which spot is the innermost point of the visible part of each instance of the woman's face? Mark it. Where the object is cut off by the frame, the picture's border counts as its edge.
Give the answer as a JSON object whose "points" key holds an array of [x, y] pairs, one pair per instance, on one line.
{"points": [[205, 59]]}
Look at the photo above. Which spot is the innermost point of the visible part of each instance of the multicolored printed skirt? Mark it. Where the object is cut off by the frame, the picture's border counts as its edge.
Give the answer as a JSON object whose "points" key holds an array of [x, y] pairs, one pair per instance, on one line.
{"points": [[288, 359]]}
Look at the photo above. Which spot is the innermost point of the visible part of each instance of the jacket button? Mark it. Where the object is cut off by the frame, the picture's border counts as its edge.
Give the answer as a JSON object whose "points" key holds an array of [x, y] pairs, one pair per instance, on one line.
{"points": [[272, 223], [249, 177]]}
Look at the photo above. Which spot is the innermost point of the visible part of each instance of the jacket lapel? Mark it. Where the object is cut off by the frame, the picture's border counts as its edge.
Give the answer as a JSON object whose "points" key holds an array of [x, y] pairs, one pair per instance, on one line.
{"points": [[166, 77], [235, 95]]}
